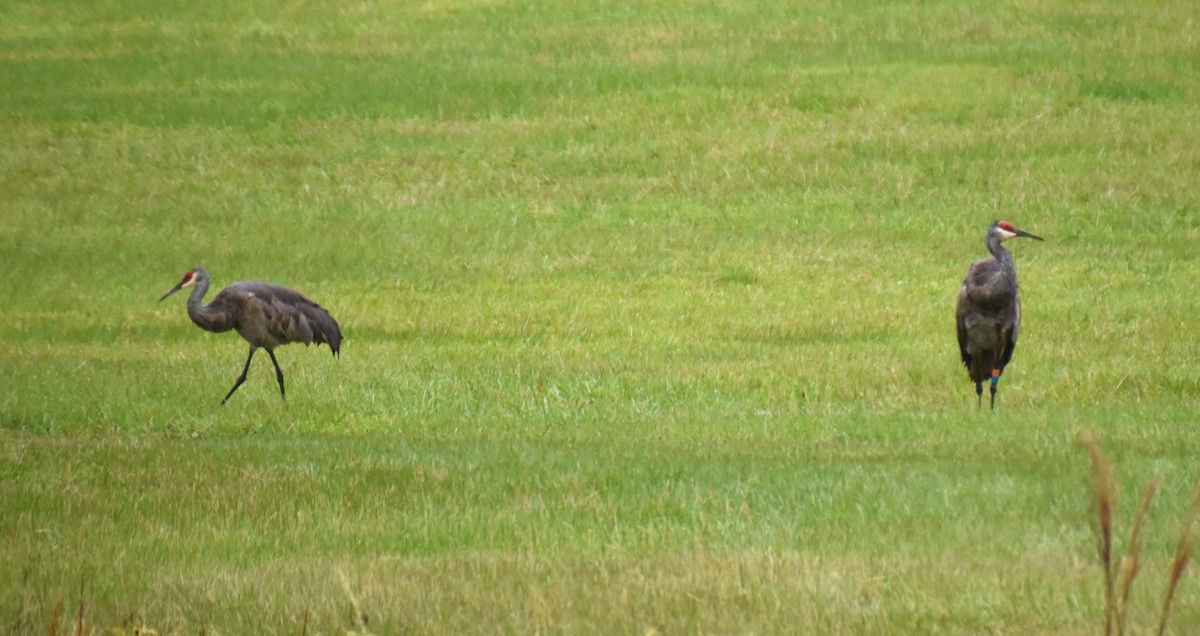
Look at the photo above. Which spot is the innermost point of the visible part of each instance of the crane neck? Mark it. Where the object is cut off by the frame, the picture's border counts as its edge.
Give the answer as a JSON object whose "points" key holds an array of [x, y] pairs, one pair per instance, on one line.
{"points": [[203, 315], [1005, 259]]}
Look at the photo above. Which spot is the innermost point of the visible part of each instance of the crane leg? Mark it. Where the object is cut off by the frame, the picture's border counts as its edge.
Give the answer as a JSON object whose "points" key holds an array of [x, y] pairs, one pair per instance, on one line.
{"points": [[979, 392], [241, 378], [278, 374], [995, 381]]}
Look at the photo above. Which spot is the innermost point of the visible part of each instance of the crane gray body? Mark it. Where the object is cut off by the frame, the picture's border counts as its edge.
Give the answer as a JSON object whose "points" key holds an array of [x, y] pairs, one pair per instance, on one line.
{"points": [[265, 315], [988, 314]]}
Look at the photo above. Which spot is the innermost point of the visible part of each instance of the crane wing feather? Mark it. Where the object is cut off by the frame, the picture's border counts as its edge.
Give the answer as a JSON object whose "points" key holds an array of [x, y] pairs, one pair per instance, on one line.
{"points": [[961, 320], [280, 315], [1010, 344]]}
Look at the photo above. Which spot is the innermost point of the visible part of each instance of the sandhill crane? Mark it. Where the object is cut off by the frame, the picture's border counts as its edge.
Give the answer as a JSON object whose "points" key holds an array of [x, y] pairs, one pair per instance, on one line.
{"points": [[989, 311], [265, 315]]}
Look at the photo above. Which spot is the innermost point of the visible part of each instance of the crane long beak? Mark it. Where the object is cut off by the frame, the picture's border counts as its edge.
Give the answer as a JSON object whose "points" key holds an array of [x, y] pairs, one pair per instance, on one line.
{"points": [[173, 290], [1018, 233]]}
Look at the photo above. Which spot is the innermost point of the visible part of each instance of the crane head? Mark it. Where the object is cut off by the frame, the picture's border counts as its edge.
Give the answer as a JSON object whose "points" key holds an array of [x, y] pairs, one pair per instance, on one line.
{"points": [[1007, 230], [189, 279]]}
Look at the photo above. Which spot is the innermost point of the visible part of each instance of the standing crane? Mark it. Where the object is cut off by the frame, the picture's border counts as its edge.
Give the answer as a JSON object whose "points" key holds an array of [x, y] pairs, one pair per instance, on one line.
{"points": [[265, 315], [989, 310]]}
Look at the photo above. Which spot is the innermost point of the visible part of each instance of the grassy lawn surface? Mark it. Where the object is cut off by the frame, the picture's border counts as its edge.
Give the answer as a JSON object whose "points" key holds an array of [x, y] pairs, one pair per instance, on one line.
{"points": [[648, 312]]}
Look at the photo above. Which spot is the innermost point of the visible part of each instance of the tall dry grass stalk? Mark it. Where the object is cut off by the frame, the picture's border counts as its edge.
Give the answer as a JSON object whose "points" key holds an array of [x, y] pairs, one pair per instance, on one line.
{"points": [[1132, 565], [54, 620], [360, 619], [1183, 554], [1116, 611], [1105, 492]]}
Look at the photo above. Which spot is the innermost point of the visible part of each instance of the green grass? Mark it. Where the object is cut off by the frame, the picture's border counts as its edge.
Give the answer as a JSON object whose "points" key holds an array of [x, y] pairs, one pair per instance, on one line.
{"points": [[648, 313]]}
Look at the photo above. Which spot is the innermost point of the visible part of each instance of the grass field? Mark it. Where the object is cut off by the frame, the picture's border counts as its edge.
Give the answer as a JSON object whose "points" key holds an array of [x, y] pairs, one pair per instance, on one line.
{"points": [[648, 313]]}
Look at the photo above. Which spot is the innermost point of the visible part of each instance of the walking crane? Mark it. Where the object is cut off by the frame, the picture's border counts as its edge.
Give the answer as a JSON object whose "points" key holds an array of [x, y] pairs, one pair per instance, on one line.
{"points": [[265, 315]]}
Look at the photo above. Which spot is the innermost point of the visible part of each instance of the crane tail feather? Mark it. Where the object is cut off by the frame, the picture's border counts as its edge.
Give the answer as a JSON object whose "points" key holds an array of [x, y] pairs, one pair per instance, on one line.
{"points": [[325, 329]]}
